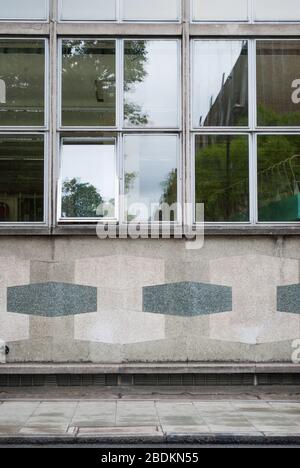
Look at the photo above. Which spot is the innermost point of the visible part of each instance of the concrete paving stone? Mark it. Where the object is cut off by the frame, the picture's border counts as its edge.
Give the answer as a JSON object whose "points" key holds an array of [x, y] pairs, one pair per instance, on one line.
{"points": [[50, 418], [256, 406], [95, 414], [186, 429], [213, 407], [136, 413], [13, 415], [120, 430], [178, 414]]}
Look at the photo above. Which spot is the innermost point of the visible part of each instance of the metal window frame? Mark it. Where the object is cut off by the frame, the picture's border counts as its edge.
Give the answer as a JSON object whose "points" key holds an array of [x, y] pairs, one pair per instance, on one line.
{"points": [[251, 17], [43, 131], [119, 17], [253, 132], [73, 220], [119, 63], [44, 127], [34, 224], [30, 20], [178, 137], [192, 85]]}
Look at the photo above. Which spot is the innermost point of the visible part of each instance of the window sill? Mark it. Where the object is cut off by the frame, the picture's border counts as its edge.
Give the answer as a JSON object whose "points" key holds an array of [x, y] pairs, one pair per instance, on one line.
{"points": [[90, 230]]}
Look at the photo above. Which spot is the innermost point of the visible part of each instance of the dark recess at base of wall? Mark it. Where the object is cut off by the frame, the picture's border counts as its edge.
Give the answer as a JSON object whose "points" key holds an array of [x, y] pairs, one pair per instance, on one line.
{"points": [[103, 380]]}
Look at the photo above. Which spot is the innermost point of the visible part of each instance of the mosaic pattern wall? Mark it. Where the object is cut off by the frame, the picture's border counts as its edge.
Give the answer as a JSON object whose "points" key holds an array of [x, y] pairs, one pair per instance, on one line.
{"points": [[167, 305]]}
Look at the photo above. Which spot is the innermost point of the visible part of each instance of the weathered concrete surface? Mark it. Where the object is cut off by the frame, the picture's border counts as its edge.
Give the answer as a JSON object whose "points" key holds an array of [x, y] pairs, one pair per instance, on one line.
{"points": [[149, 419], [254, 331]]}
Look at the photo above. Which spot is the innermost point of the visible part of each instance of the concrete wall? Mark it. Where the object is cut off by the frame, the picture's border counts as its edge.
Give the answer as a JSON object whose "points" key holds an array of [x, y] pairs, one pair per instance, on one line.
{"points": [[229, 301]]}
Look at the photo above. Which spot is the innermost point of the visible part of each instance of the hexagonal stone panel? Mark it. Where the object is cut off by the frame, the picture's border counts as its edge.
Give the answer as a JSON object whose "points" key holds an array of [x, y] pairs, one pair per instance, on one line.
{"points": [[288, 299], [187, 299], [52, 299]]}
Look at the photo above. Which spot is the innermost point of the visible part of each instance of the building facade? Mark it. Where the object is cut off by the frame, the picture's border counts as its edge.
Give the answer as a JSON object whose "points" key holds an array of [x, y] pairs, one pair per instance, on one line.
{"points": [[112, 111]]}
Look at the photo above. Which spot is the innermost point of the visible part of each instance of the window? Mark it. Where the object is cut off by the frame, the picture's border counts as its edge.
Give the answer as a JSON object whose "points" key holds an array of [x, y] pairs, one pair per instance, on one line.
{"points": [[21, 178], [104, 152], [220, 84], [22, 149], [151, 84], [278, 166], [150, 176], [89, 83], [222, 177], [88, 178], [278, 83], [33, 10], [119, 10], [220, 10], [277, 10], [89, 10], [247, 168], [22, 83], [154, 10]]}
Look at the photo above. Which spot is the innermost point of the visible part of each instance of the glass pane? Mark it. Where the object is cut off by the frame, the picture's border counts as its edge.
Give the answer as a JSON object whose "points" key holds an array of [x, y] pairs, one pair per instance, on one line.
{"points": [[151, 84], [88, 10], [88, 175], [21, 178], [278, 167], [23, 10], [277, 10], [154, 10], [22, 87], [220, 10], [88, 83], [278, 83], [222, 177], [150, 176], [220, 84]]}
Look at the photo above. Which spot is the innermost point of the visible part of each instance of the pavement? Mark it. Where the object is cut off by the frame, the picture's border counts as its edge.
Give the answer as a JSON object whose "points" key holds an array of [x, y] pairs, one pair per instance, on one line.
{"points": [[140, 417]]}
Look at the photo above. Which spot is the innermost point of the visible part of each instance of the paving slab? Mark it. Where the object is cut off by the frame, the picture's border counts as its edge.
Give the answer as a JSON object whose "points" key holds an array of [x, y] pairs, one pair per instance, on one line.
{"points": [[136, 413], [50, 418], [95, 414]]}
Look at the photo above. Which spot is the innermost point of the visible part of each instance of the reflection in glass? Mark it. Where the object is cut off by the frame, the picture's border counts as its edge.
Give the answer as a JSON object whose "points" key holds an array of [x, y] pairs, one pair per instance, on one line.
{"points": [[89, 10], [22, 72], [220, 83], [151, 84], [88, 83], [150, 176], [154, 10], [278, 83], [277, 10], [221, 177], [21, 178], [88, 175], [278, 167], [220, 10], [23, 10]]}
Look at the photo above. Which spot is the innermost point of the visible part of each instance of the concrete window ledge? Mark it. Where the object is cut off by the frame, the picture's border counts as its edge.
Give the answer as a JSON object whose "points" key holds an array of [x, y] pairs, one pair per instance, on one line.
{"points": [[142, 368]]}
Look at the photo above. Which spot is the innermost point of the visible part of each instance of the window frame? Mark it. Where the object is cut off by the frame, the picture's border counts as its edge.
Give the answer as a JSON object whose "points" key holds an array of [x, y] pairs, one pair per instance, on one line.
{"points": [[36, 130], [45, 126], [70, 220], [179, 179], [45, 221], [253, 131], [37, 20], [120, 17], [251, 17]]}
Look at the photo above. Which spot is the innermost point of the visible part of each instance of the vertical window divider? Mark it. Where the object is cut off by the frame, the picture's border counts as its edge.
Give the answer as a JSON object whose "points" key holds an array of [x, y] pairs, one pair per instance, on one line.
{"points": [[252, 126], [119, 83]]}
